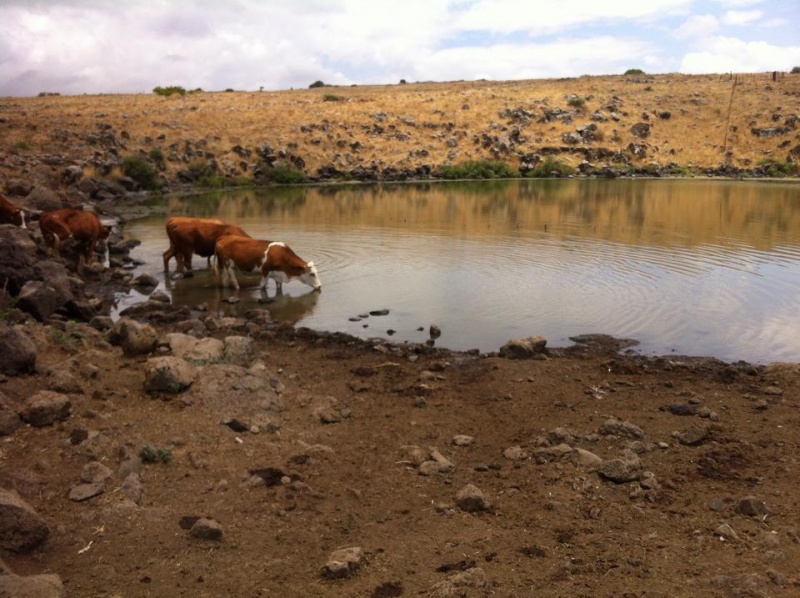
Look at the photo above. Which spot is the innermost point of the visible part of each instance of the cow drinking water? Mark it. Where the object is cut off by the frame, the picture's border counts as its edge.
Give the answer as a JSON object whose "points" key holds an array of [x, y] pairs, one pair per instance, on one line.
{"points": [[274, 259], [11, 214], [188, 236], [80, 225]]}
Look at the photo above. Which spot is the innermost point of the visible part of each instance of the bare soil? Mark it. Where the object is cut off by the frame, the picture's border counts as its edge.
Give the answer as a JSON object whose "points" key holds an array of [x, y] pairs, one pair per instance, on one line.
{"points": [[332, 467]]}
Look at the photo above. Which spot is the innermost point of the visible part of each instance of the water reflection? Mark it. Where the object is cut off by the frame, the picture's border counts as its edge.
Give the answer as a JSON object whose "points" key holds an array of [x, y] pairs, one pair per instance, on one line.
{"points": [[698, 267]]}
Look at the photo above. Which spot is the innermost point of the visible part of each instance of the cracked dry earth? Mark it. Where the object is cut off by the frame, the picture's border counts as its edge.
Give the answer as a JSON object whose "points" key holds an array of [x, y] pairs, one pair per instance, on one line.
{"points": [[586, 473]]}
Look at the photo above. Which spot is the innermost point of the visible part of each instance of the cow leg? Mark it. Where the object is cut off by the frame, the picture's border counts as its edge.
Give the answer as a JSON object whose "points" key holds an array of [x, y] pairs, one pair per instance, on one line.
{"points": [[168, 255], [232, 275]]}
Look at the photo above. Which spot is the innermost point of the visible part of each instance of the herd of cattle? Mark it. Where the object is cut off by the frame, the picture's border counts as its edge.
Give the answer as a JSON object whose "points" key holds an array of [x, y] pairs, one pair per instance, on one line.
{"points": [[231, 246]]}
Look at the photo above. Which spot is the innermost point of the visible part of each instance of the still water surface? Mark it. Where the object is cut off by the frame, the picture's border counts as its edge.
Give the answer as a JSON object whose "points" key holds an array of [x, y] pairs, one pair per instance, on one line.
{"points": [[687, 267]]}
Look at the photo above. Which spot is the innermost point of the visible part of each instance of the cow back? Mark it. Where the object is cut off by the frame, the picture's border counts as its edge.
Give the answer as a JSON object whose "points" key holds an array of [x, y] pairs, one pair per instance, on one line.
{"points": [[9, 213], [197, 235], [247, 253]]}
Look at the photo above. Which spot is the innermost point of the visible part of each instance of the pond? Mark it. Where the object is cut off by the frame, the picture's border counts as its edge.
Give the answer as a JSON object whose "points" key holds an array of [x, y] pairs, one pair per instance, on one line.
{"points": [[691, 267]]}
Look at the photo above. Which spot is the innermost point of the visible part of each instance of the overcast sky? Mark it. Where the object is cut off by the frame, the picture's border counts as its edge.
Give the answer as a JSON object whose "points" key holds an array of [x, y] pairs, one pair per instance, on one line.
{"points": [[132, 46]]}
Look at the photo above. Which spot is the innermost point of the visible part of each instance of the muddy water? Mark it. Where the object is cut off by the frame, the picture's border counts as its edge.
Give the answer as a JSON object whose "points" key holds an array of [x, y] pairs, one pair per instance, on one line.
{"points": [[691, 267]]}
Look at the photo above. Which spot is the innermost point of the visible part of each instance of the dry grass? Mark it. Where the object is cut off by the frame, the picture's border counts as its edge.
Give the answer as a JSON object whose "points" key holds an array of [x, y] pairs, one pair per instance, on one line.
{"points": [[412, 124]]}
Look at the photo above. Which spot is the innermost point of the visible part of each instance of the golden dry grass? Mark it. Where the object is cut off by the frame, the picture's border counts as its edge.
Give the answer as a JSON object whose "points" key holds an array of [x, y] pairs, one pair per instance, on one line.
{"points": [[405, 126]]}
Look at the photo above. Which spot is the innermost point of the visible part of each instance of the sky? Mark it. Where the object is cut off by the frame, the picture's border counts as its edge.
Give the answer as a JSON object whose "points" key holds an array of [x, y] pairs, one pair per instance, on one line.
{"points": [[76, 47]]}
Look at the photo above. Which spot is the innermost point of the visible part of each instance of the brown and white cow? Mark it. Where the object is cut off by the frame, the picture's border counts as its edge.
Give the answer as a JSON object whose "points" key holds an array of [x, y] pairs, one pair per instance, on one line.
{"points": [[83, 226], [274, 259], [188, 236], [11, 214]]}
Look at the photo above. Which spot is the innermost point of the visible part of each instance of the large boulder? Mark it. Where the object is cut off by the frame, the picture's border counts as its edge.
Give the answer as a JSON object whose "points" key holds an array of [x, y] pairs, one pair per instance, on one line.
{"points": [[524, 348], [45, 408], [21, 528], [18, 351], [134, 337], [168, 375], [17, 257]]}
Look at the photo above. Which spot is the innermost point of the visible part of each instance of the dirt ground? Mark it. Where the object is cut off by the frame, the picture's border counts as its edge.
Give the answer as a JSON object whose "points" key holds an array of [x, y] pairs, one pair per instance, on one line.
{"points": [[330, 457]]}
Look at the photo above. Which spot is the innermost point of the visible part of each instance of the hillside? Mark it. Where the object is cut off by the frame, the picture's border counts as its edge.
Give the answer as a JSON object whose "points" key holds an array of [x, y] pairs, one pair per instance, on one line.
{"points": [[608, 125]]}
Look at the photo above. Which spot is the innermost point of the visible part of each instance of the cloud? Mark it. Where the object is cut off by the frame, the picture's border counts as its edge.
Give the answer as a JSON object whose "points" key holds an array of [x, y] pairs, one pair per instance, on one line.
{"points": [[727, 54], [697, 26], [741, 17]]}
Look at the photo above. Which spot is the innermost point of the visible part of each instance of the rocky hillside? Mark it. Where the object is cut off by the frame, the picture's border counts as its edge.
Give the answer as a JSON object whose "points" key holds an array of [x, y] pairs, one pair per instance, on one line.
{"points": [[606, 126]]}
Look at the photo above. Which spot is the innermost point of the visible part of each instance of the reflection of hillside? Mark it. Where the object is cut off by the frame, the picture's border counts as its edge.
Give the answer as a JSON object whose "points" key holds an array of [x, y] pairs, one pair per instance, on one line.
{"points": [[653, 212]]}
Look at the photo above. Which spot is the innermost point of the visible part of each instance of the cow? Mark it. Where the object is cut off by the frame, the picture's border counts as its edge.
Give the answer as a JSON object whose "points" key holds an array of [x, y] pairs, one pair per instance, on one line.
{"points": [[188, 236], [274, 259], [11, 214], [82, 226]]}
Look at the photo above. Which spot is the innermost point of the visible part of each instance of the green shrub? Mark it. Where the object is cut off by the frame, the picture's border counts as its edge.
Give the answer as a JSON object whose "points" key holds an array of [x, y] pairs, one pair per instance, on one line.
{"points": [[550, 167], [634, 72], [156, 155], [477, 169], [577, 102], [168, 91], [141, 171], [795, 70], [332, 97], [23, 145], [200, 169], [151, 454], [776, 168], [283, 175], [316, 84]]}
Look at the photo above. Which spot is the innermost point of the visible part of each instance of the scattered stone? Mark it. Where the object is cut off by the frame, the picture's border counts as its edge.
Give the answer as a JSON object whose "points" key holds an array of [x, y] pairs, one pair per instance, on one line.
{"points": [[682, 409], [472, 500], [95, 473], [514, 453], [206, 529], [18, 351], [694, 435], [343, 563], [463, 440], [132, 488], [413, 455], [146, 280], [133, 336], [434, 331], [83, 492], [614, 427], [627, 469], [21, 528], [45, 408], [9, 419], [239, 350], [587, 459], [751, 507], [379, 312], [727, 532], [524, 348], [168, 375]]}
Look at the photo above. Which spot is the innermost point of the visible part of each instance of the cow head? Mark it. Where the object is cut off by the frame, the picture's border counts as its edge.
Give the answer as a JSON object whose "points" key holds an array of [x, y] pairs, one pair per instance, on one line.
{"points": [[310, 277]]}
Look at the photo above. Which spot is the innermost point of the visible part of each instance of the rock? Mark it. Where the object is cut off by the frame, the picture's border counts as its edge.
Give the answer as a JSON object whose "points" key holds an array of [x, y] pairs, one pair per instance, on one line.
{"points": [[614, 427], [751, 507], [524, 348], [168, 374], [514, 453], [38, 299], [343, 562], [21, 528], [413, 455], [83, 492], [31, 586], [17, 258], [95, 473], [463, 440], [132, 488], [205, 350], [239, 350], [584, 458], [206, 529], [18, 351], [471, 499], [45, 408], [627, 469], [434, 331], [693, 435], [640, 130], [134, 337], [727, 532], [146, 280]]}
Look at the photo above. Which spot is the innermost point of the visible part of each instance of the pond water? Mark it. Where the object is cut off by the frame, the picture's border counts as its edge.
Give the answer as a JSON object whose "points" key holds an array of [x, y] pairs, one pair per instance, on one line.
{"points": [[694, 267]]}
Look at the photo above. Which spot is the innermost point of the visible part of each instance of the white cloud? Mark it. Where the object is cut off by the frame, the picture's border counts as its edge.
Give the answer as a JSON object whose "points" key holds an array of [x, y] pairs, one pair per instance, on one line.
{"points": [[726, 54], [697, 26], [741, 17]]}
